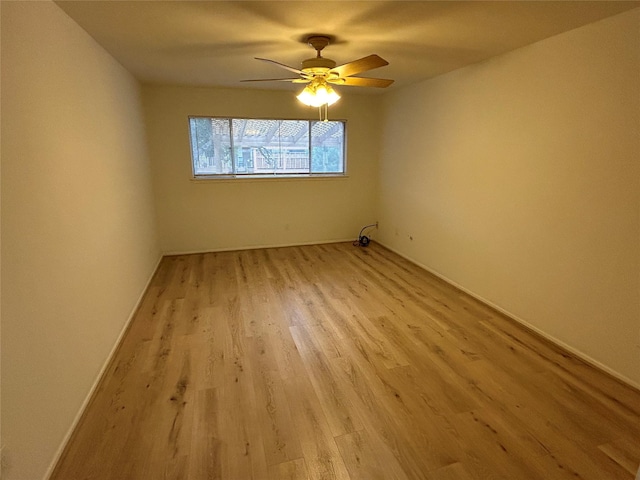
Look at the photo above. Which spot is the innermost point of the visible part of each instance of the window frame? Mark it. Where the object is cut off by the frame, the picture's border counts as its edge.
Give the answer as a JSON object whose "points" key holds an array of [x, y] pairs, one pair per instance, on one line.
{"points": [[267, 176]]}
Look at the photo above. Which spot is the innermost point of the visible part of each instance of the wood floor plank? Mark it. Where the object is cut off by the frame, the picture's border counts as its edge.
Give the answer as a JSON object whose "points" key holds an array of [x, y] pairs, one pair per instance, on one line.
{"points": [[320, 453], [291, 470], [279, 432], [338, 362], [624, 456], [359, 457], [208, 449], [340, 414], [455, 471]]}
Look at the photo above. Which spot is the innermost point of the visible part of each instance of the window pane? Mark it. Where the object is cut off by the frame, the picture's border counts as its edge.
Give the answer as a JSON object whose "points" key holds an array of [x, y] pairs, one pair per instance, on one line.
{"points": [[210, 146], [250, 141], [294, 146], [327, 147]]}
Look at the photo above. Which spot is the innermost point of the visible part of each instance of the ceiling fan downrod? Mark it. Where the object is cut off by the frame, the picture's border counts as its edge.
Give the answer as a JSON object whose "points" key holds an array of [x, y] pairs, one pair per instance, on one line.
{"points": [[318, 42]]}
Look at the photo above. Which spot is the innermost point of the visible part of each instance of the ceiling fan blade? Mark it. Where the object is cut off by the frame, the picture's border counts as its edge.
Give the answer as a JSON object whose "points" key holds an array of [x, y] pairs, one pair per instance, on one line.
{"points": [[272, 80], [361, 65], [282, 65], [366, 82]]}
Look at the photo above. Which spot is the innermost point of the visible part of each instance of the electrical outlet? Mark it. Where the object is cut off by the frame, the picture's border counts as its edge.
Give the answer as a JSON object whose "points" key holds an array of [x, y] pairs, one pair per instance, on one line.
{"points": [[376, 224]]}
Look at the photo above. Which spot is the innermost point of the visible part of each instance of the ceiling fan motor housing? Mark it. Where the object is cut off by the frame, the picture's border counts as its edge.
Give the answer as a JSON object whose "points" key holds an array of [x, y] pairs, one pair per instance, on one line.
{"points": [[318, 65]]}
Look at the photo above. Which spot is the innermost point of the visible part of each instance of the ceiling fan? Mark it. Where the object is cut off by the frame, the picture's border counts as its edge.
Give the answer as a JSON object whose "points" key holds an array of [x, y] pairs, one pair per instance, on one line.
{"points": [[319, 72]]}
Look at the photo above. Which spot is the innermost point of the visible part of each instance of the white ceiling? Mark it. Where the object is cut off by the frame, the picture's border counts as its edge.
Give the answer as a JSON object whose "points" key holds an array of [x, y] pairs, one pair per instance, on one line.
{"points": [[212, 43]]}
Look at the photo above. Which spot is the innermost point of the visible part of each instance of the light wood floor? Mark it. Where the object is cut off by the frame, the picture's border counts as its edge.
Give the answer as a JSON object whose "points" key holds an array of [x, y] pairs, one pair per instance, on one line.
{"points": [[334, 361]]}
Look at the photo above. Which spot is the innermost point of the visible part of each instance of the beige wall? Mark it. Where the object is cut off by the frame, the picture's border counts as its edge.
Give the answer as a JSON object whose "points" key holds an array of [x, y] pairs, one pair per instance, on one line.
{"points": [[519, 180], [1, 436], [78, 238], [215, 215]]}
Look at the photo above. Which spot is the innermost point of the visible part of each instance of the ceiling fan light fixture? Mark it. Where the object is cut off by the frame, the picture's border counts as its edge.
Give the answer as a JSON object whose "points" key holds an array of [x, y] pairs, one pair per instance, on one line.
{"points": [[317, 94]]}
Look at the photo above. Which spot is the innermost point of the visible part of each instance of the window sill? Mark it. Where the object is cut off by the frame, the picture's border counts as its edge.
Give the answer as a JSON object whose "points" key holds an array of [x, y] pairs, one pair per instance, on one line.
{"points": [[268, 178]]}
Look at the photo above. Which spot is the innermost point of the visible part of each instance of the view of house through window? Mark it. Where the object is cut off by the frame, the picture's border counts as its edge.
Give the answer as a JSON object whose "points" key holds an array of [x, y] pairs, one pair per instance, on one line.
{"points": [[239, 146]]}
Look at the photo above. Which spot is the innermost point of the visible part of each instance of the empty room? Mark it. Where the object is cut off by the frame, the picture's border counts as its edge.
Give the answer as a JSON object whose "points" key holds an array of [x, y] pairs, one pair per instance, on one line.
{"points": [[320, 240]]}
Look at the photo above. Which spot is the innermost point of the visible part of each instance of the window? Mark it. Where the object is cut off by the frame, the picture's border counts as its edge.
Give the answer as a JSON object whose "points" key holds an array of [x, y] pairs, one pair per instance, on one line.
{"points": [[235, 147]]}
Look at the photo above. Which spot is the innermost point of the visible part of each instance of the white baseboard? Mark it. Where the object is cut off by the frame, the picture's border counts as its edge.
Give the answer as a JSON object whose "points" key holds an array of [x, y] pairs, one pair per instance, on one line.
{"points": [[574, 351], [255, 247], [106, 364]]}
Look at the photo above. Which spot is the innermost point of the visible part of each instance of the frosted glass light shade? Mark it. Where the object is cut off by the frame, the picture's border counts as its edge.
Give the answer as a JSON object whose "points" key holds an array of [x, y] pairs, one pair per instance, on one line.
{"points": [[318, 94]]}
